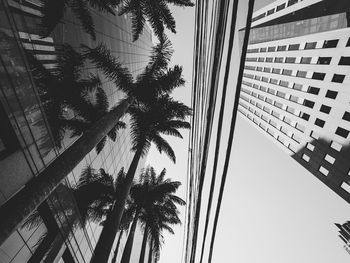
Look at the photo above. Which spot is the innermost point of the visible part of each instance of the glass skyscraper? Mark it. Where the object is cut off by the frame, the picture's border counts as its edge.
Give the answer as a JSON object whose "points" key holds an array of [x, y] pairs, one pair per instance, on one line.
{"points": [[26, 143], [295, 84]]}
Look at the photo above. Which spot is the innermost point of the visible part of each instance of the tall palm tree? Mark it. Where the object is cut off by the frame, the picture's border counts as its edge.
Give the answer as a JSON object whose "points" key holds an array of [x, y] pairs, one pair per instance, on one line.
{"points": [[153, 201], [53, 12], [148, 123], [157, 13], [155, 79]]}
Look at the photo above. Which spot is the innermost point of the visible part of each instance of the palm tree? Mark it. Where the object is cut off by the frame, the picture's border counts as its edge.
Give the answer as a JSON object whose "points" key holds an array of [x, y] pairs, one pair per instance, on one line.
{"points": [[157, 13], [155, 79], [53, 12], [153, 201], [148, 122]]}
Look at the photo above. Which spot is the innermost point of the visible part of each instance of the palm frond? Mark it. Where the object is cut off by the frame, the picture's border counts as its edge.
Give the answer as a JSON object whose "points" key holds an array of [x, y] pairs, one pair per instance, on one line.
{"points": [[113, 133], [81, 10], [177, 199], [110, 66], [171, 131], [182, 3], [101, 101], [106, 6], [176, 124], [163, 146], [166, 15], [171, 80], [137, 21], [99, 147]]}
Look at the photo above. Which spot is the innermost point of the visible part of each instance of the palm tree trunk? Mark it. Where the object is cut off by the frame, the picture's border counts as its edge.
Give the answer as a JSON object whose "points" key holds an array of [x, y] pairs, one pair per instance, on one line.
{"points": [[110, 229], [144, 243], [114, 259], [19, 207], [130, 241], [150, 252]]}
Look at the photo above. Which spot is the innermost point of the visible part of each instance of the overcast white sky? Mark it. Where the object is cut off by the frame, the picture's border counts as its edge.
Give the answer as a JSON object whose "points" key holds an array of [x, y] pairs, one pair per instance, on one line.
{"points": [[273, 210]]}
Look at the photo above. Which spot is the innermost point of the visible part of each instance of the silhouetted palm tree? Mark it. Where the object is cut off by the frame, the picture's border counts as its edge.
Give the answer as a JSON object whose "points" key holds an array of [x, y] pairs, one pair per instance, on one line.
{"points": [[153, 202], [53, 12], [161, 215], [157, 13], [154, 80], [148, 123]]}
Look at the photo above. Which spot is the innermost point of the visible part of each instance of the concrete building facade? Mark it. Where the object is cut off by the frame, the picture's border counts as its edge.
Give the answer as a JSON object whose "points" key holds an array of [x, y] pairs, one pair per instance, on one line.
{"points": [[295, 85]]}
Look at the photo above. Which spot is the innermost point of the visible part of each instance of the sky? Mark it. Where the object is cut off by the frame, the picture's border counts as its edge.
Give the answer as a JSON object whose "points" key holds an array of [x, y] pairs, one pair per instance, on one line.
{"points": [[273, 209]]}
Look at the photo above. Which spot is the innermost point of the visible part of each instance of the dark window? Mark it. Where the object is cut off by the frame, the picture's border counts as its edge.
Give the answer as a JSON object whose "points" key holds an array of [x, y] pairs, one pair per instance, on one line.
{"points": [[270, 12], [271, 49], [301, 74], [320, 122], [324, 60], [8, 139], [269, 59], [294, 47], [292, 2], [284, 83], [265, 79], [313, 90], [346, 116], [261, 59], [338, 78], [305, 116], [331, 94], [287, 72], [263, 49], [318, 76], [276, 70], [280, 7], [342, 132], [281, 48], [305, 60], [330, 43], [309, 103], [348, 43], [290, 60], [278, 60], [325, 109], [344, 61], [267, 70], [310, 45]]}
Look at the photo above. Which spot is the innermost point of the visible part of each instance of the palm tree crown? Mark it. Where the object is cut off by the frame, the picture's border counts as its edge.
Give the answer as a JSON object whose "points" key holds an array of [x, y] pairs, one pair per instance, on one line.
{"points": [[154, 203], [164, 117], [156, 12]]}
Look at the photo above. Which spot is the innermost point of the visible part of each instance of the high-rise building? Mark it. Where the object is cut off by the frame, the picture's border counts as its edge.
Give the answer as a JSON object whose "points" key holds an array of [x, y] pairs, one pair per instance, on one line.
{"points": [[26, 143], [295, 84]]}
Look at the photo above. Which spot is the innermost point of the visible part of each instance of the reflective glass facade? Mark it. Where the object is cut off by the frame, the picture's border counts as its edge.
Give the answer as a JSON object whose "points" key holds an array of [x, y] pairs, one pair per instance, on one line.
{"points": [[26, 144]]}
